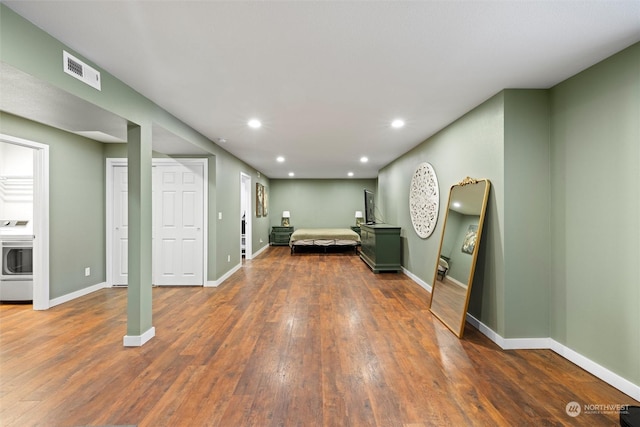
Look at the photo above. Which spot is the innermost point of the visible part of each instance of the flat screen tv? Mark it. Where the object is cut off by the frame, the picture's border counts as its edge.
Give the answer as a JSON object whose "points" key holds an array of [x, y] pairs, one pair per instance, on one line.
{"points": [[369, 207]]}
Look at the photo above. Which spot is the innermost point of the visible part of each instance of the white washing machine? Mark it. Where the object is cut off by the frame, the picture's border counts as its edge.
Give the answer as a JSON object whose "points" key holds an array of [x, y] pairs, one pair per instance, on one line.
{"points": [[16, 272]]}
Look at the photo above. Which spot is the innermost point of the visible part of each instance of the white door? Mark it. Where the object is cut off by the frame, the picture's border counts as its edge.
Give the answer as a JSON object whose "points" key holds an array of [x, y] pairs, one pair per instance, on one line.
{"points": [[120, 226], [178, 221], [178, 215]]}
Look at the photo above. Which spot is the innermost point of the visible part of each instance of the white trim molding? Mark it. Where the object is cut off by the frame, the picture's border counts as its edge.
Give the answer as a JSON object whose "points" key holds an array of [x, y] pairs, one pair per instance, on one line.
{"points": [[585, 363], [216, 283], [139, 340], [597, 370], [548, 343], [259, 251], [77, 294], [416, 279]]}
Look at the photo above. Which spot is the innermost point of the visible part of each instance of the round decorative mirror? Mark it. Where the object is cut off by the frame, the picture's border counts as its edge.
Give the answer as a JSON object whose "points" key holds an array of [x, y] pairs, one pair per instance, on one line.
{"points": [[424, 200]]}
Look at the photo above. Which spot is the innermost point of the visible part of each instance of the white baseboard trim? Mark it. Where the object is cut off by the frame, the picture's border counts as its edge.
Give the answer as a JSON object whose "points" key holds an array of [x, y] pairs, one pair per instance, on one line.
{"points": [[597, 370], [139, 340], [77, 294], [259, 251], [416, 279], [585, 363], [548, 343], [216, 283]]}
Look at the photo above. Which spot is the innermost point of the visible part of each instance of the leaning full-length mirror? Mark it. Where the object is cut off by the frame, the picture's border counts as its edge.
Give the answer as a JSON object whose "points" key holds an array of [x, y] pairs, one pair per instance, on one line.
{"points": [[458, 252]]}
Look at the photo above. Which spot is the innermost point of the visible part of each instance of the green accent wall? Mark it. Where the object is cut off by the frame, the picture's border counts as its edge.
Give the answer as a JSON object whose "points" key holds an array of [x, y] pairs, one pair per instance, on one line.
{"points": [[318, 203], [595, 158]]}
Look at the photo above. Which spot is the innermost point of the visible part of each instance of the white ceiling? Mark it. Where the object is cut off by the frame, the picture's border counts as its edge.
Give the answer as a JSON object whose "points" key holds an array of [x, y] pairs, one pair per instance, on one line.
{"points": [[326, 78]]}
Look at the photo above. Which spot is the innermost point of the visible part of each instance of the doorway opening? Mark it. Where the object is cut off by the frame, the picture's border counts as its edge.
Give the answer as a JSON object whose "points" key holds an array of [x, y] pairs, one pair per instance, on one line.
{"points": [[246, 247], [40, 230]]}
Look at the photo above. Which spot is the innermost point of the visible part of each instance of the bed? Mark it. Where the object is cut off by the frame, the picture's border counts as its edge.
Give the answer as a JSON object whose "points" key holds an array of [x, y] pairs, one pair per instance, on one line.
{"points": [[324, 237]]}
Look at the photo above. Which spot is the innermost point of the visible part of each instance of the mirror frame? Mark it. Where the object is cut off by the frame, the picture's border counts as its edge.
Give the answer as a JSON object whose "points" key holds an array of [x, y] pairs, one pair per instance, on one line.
{"points": [[458, 327]]}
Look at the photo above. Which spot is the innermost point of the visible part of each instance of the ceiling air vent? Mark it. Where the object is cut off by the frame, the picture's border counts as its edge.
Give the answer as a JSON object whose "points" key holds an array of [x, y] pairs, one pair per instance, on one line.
{"points": [[81, 71]]}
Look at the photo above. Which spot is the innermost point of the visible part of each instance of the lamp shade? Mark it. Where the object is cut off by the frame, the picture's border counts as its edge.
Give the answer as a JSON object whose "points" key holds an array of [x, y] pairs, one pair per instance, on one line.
{"points": [[358, 214], [286, 214]]}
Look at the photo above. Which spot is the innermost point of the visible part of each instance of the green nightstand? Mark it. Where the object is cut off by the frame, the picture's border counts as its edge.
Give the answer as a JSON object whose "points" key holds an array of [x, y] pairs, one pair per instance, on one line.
{"points": [[280, 236]]}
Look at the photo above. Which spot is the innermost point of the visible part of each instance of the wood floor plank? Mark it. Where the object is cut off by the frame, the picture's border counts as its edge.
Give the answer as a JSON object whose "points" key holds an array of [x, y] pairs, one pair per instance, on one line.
{"points": [[311, 339]]}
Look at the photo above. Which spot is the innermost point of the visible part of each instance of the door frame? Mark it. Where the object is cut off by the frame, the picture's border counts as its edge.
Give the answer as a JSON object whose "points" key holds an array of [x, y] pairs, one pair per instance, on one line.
{"points": [[41, 289], [245, 192], [113, 162]]}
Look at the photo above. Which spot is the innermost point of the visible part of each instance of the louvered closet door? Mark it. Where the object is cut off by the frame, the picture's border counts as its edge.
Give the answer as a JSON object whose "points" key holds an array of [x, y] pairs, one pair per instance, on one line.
{"points": [[178, 224]]}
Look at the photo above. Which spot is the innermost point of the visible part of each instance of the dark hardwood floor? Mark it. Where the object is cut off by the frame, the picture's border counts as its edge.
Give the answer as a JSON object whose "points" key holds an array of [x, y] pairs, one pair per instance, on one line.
{"points": [[303, 340]]}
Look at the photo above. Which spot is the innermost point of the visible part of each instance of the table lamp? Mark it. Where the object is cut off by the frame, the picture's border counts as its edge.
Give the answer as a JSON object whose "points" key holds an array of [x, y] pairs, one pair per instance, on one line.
{"points": [[285, 218]]}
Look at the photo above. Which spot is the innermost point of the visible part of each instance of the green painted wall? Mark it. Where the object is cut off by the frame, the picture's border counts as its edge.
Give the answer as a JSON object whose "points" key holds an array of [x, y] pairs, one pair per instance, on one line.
{"points": [[229, 227], [527, 215], [318, 203], [595, 158], [471, 146], [76, 204], [140, 233], [260, 240]]}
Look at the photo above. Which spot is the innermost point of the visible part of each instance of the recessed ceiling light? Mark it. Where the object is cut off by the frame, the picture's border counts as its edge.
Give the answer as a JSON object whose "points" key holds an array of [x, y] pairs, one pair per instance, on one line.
{"points": [[254, 123], [364, 159], [280, 159], [222, 140], [291, 174], [397, 123], [350, 174], [456, 204]]}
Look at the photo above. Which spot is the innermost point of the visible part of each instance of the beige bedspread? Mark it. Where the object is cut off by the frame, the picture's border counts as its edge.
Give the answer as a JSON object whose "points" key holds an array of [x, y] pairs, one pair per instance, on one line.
{"points": [[324, 237]]}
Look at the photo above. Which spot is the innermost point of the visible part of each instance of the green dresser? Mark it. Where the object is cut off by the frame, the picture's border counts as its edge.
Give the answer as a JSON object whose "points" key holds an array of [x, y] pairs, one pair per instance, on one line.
{"points": [[381, 247], [280, 235]]}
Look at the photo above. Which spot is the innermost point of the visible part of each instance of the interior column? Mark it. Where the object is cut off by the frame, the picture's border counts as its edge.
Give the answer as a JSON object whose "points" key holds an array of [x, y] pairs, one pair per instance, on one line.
{"points": [[139, 326]]}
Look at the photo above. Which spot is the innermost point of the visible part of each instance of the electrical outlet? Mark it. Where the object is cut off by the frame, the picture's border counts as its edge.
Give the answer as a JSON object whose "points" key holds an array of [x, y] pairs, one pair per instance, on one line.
{"points": [[219, 215], [228, 258], [260, 240], [87, 271]]}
